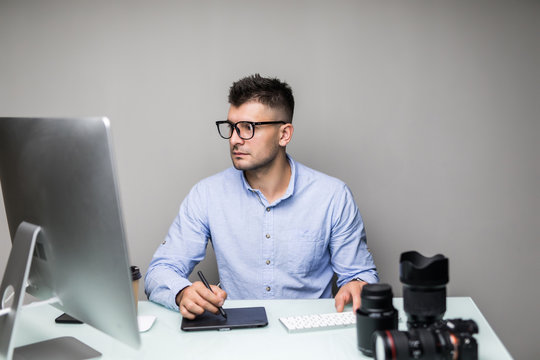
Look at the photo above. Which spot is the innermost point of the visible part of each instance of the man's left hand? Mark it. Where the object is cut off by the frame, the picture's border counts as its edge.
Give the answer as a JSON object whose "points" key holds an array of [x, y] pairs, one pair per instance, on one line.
{"points": [[349, 292]]}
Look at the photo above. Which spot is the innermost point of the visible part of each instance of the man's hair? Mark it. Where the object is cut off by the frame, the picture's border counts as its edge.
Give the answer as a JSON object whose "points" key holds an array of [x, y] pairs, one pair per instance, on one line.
{"points": [[271, 92]]}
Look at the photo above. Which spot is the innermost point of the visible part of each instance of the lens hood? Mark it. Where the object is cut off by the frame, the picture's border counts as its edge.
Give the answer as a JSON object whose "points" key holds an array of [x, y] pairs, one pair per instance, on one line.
{"points": [[418, 270]]}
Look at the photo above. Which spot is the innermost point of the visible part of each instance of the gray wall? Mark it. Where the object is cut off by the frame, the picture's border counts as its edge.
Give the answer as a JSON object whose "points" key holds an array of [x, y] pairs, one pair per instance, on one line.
{"points": [[429, 110]]}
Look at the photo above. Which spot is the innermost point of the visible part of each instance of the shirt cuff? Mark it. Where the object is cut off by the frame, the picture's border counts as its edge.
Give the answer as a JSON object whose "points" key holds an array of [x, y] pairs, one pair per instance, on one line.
{"points": [[175, 287], [368, 278]]}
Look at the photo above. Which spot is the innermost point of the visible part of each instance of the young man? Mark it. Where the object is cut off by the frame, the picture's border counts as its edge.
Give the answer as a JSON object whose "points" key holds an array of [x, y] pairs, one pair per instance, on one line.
{"points": [[279, 229]]}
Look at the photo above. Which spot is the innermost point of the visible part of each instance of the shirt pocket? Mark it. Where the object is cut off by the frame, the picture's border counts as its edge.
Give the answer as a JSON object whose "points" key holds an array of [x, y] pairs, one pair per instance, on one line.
{"points": [[304, 251]]}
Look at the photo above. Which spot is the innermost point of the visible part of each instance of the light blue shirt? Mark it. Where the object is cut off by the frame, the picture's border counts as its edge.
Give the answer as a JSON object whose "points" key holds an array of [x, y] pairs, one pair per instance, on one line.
{"points": [[287, 249]]}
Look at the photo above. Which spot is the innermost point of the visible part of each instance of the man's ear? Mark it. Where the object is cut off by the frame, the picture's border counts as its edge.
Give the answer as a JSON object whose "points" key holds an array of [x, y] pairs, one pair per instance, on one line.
{"points": [[285, 133]]}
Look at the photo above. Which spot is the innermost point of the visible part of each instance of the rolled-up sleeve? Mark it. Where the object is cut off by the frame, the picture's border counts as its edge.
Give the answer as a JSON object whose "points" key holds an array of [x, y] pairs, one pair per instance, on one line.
{"points": [[183, 248], [351, 258]]}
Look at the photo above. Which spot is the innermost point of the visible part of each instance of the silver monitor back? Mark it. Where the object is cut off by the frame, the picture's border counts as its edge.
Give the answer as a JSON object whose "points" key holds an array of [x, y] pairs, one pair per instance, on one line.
{"points": [[59, 174]]}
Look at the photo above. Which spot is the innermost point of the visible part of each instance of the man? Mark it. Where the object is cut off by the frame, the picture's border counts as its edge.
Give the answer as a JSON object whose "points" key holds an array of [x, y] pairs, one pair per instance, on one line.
{"points": [[279, 229]]}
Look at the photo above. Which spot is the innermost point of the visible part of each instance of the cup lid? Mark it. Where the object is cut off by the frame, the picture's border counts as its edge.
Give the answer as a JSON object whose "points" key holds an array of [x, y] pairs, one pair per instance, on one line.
{"points": [[135, 273]]}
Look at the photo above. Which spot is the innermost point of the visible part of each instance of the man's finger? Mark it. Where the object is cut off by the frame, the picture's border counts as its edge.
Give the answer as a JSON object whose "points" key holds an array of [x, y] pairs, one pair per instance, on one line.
{"points": [[219, 292], [209, 296], [356, 300], [190, 309], [185, 313], [341, 300]]}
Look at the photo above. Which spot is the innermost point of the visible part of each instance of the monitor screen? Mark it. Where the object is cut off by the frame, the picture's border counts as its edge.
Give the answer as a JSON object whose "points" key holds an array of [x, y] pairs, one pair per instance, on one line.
{"points": [[59, 175]]}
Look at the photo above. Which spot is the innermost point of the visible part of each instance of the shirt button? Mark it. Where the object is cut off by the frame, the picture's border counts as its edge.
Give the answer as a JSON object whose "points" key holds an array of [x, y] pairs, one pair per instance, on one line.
{"points": [[268, 236], [268, 209], [268, 288], [267, 262]]}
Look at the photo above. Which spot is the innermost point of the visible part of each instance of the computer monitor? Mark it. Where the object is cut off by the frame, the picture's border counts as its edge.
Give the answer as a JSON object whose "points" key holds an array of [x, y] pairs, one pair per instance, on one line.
{"points": [[63, 211]]}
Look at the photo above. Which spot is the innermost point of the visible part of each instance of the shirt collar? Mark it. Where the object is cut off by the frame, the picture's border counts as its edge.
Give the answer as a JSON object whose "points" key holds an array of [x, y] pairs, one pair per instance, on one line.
{"points": [[292, 181], [290, 189]]}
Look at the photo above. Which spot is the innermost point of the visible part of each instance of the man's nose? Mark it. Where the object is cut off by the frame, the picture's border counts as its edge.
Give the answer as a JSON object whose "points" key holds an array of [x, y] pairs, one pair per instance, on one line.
{"points": [[235, 138]]}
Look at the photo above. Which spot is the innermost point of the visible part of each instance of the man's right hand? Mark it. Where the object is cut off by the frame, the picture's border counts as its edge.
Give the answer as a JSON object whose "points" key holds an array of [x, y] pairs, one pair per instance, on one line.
{"points": [[195, 299]]}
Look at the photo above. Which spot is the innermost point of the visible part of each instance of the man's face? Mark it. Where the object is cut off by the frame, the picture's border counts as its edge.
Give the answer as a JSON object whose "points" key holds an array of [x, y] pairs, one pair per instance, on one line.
{"points": [[262, 149]]}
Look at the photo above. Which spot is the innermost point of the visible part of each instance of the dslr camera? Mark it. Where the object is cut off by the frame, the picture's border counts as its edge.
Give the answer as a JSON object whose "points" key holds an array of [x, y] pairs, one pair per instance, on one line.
{"points": [[424, 301]]}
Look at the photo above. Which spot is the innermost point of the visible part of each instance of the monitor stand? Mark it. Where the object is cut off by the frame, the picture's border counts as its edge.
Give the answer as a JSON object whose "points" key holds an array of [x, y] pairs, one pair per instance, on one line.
{"points": [[12, 293], [61, 348]]}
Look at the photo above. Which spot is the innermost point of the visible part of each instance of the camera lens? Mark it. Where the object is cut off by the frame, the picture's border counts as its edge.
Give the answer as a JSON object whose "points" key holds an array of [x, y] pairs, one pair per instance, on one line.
{"points": [[390, 345], [424, 287], [376, 312], [447, 339], [402, 345]]}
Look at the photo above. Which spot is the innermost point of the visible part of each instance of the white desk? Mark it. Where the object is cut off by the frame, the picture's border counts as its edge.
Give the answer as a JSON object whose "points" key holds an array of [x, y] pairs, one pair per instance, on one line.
{"points": [[165, 340]]}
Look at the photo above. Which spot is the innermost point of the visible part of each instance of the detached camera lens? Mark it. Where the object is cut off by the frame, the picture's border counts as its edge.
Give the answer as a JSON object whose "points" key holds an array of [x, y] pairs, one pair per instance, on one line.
{"points": [[376, 313], [424, 287]]}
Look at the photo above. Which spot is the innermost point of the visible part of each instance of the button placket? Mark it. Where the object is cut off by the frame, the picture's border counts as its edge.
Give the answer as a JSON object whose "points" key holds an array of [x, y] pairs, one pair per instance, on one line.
{"points": [[268, 252]]}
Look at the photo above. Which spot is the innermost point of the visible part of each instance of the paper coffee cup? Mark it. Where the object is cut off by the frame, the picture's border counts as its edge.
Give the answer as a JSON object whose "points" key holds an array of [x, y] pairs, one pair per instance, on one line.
{"points": [[135, 276]]}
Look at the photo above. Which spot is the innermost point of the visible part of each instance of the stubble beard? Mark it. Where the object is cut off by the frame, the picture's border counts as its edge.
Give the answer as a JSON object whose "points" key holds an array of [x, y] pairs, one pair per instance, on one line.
{"points": [[261, 164]]}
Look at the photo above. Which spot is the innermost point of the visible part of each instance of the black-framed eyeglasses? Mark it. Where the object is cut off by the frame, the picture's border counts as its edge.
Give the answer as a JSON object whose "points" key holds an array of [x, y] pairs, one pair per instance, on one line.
{"points": [[244, 129]]}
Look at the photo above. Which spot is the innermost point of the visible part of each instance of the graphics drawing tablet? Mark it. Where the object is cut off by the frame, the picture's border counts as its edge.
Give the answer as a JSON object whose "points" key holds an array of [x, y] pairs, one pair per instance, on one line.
{"points": [[237, 318]]}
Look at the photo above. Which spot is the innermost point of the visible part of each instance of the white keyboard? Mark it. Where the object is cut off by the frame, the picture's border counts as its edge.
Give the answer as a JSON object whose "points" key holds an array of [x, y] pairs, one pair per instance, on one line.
{"points": [[313, 322]]}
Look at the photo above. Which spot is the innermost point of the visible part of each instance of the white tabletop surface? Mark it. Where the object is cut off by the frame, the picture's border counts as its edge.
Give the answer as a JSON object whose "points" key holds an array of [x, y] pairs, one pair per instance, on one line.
{"points": [[165, 339]]}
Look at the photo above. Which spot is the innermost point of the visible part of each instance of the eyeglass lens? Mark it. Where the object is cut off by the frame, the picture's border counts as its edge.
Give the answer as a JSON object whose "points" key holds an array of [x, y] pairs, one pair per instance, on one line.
{"points": [[245, 129]]}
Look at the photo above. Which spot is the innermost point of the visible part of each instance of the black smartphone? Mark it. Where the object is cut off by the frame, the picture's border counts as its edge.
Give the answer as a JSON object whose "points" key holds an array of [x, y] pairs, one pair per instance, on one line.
{"points": [[66, 319]]}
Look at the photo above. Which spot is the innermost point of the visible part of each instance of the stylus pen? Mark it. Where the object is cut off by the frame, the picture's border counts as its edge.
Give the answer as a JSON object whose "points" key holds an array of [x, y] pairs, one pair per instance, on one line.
{"points": [[203, 279]]}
